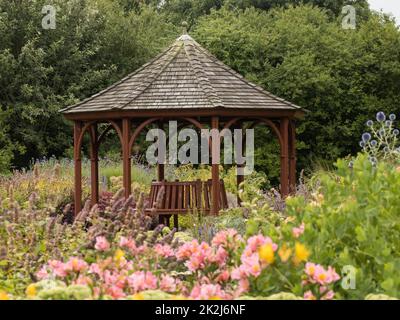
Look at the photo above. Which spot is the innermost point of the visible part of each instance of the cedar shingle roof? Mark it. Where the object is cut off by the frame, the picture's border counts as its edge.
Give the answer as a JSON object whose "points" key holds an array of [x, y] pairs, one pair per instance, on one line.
{"points": [[182, 77]]}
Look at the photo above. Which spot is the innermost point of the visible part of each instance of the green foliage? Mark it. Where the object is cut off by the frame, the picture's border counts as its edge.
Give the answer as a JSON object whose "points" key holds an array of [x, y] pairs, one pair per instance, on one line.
{"points": [[355, 221], [95, 43], [303, 55]]}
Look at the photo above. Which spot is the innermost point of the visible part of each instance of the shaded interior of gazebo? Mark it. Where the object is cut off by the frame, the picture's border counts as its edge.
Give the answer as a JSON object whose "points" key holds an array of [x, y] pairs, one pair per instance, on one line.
{"points": [[189, 85]]}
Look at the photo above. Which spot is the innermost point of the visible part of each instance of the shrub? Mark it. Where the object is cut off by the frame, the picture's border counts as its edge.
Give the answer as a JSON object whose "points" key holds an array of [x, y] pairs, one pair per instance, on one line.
{"points": [[353, 220]]}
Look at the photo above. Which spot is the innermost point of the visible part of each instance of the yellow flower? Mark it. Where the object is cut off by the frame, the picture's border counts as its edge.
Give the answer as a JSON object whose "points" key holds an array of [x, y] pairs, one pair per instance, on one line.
{"points": [[31, 290], [119, 255], [138, 296], [266, 253], [301, 253], [285, 253], [4, 296]]}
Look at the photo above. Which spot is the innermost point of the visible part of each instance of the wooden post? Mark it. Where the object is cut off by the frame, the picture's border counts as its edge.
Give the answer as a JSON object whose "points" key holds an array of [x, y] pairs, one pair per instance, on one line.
{"points": [[240, 178], [126, 155], [284, 129], [215, 168], [293, 158], [77, 168], [94, 165], [161, 166]]}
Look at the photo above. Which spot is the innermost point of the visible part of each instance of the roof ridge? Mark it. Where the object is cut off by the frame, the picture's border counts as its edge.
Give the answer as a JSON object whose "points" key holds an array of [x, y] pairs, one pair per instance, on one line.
{"points": [[202, 78], [242, 78], [129, 76], [155, 76]]}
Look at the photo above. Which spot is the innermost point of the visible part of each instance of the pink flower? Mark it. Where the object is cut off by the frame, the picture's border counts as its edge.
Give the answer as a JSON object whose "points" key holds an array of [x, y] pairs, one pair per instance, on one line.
{"points": [[164, 250], [317, 274], [255, 242], [195, 263], [84, 281], [333, 275], [252, 265], [115, 292], [223, 276], [102, 244], [297, 232], [141, 281], [76, 265], [95, 268], [42, 273], [223, 238], [207, 292], [309, 296], [58, 268], [168, 284], [187, 249], [128, 243], [244, 286], [220, 256], [329, 295]]}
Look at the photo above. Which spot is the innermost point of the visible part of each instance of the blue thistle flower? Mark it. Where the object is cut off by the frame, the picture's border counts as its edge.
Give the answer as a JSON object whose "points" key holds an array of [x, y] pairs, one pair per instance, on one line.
{"points": [[381, 117], [388, 123], [362, 144], [370, 123], [366, 137], [392, 117], [396, 132], [374, 143]]}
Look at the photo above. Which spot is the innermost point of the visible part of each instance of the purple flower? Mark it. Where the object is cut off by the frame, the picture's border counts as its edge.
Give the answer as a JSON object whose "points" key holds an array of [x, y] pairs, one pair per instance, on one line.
{"points": [[374, 143], [362, 144], [396, 132], [381, 117], [392, 117], [366, 137], [370, 123]]}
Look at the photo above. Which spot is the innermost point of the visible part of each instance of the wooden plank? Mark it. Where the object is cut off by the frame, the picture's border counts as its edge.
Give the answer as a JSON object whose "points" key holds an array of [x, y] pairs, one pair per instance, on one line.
{"points": [[180, 197], [206, 196]]}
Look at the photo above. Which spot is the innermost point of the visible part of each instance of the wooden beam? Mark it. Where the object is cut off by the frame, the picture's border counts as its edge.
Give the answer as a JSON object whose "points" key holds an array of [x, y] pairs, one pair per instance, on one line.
{"points": [[284, 128], [215, 169], [293, 157], [77, 168], [126, 157], [184, 113], [94, 164]]}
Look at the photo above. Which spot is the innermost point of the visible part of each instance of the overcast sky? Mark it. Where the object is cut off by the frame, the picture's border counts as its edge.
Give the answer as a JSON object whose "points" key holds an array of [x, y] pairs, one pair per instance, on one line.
{"points": [[389, 6]]}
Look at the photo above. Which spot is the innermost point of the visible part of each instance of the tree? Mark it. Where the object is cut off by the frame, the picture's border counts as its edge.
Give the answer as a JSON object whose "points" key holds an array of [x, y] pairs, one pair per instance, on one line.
{"points": [[95, 43], [342, 76]]}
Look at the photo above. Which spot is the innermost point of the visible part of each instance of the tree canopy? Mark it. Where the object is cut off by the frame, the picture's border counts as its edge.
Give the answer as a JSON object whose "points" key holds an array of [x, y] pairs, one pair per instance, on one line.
{"points": [[295, 49]]}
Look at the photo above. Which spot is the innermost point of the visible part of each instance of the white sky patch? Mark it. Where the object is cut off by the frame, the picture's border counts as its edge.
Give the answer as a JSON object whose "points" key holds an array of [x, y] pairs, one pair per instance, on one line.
{"points": [[387, 6]]}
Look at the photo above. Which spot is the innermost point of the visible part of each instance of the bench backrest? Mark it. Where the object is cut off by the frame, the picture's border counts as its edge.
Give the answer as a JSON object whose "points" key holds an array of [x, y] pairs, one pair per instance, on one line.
{"points": [[183, 197]]}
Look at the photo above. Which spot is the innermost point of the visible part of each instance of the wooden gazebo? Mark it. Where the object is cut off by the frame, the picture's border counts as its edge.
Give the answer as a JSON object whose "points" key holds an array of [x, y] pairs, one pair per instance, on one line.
{"points": [[187, 84]]}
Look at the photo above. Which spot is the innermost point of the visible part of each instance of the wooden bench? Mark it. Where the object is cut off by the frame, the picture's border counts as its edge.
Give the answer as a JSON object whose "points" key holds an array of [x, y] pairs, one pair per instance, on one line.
{"points": [[181, 198]]}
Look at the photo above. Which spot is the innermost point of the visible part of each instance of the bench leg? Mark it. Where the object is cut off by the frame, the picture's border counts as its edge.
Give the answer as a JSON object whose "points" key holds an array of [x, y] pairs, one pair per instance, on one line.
{"points": [[176, 222]]}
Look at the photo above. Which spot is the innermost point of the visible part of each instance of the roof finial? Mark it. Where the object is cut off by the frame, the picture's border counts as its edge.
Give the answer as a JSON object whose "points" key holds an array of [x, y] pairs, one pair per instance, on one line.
{"points": [[185, 27]]}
